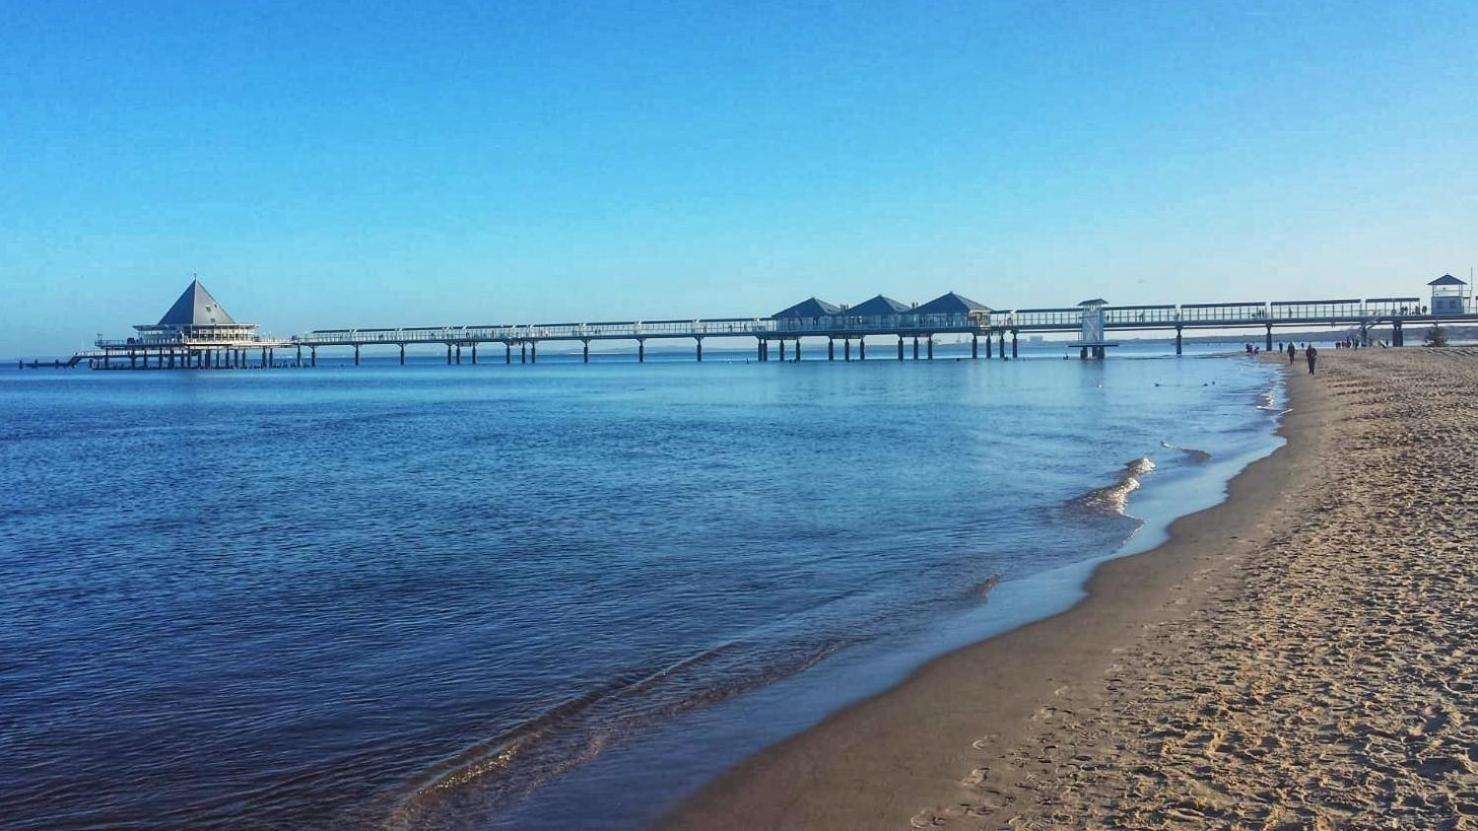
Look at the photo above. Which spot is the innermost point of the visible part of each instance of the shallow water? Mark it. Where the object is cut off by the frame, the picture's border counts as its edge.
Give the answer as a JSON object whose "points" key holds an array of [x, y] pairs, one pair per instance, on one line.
{"points": [[461, 597]]}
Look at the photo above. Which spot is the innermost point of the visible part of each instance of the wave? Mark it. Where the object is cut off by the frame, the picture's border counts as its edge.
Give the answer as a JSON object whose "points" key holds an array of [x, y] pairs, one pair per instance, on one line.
{"points": [[1114, 499], [480, 781], [1197, 456]]}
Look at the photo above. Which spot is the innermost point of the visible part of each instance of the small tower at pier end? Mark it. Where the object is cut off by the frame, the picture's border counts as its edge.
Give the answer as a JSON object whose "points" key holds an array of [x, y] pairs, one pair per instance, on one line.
{"points": [[196, 333], [1450, 296], [1090, 342]]}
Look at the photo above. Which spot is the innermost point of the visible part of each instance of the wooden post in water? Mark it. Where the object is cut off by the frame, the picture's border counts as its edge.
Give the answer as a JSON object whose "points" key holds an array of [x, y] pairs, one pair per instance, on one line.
{"points": [[862, 349], [931, 347], [533, 352], [641, 350], [915, 347], [846, 349], [1013, 343], [831, 349], [1003, 344], [974, 346], [585, 350], [700, 349], [474, 353], [1178, 334], [900, 347], [782, 350]]}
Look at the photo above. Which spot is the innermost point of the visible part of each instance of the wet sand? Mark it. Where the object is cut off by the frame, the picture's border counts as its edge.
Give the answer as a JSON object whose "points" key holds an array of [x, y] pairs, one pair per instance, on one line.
{"points": [[1301, 656]]}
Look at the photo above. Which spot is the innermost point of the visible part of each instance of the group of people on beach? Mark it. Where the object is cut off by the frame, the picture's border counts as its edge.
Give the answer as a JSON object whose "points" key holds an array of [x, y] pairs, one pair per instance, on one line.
{"points": [[1310, 353]]}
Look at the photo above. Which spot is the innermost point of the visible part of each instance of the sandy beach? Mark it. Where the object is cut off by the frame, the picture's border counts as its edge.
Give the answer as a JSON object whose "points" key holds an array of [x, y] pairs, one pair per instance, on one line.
{"points": [[1300, 656]]}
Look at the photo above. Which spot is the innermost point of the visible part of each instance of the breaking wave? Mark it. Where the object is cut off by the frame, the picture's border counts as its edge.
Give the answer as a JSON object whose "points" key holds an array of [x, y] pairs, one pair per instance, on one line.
{"points": [[1114, 499]]}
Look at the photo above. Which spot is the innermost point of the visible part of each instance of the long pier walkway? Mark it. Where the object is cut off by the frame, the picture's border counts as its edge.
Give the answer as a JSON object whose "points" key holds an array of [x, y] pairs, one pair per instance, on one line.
{"points": [[783, 336], [197, 333]]}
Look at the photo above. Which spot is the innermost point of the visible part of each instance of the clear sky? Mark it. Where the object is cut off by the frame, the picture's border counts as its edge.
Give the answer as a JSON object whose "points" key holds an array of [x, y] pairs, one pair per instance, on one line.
{"points": [[323, 164]]}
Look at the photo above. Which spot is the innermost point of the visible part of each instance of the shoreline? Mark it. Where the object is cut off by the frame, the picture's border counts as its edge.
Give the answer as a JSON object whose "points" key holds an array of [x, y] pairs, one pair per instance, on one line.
{"points": [[918, 753]]}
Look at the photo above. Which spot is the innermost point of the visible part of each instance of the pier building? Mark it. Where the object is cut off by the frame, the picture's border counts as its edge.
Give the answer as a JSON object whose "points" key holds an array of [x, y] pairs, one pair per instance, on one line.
{"points": [[195, 333]]}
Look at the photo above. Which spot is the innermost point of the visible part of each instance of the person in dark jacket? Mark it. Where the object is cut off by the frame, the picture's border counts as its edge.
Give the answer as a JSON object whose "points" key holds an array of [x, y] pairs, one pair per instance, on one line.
{"points": [[1292, 353], [1313, 355]]}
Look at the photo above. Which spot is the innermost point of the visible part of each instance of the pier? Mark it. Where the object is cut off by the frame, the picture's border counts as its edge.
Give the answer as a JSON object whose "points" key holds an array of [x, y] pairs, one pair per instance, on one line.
{"points": [[197, 333]]}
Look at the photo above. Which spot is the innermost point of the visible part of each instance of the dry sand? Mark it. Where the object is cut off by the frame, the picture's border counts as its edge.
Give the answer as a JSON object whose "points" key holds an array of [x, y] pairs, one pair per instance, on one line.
{"points": [[1301, 656]]}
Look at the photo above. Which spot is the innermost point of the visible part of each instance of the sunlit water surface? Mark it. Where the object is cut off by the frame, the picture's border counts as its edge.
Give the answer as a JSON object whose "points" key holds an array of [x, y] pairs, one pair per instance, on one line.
{"points": [[539, 596]]}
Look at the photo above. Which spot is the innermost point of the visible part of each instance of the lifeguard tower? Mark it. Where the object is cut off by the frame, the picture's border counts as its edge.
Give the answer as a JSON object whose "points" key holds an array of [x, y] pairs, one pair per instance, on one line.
{"points": [[1450, 296], [1091, 340]]}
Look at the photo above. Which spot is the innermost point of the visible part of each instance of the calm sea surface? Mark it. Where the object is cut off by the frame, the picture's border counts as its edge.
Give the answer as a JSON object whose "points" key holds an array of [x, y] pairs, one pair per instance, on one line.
{"points": [[539, 596]]}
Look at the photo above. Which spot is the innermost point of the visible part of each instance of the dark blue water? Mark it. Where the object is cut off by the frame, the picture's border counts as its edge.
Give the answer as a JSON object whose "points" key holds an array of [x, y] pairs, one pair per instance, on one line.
{"points": [[458, 597]]}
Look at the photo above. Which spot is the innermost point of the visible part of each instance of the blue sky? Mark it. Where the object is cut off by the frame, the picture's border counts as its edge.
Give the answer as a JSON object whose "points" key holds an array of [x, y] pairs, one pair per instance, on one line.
{"points": [[369, 164]]}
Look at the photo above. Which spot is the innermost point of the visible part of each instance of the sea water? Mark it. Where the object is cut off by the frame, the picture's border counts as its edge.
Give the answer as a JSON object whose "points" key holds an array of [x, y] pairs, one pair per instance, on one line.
{"points": [[547, 595]]}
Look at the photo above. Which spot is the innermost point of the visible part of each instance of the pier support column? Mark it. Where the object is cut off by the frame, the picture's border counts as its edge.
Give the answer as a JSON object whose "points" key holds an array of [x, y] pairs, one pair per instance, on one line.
{"points": [[585, 351], [862, 349], [265, 358], [1002, 344], [133, 360], [474, 354], [1179, 339], [641, 351], [448, 354], [797, 350], [974, 346], [313, 356], [900, 347], [831, 349], [988, 353], [931, 347], [1014, 350], [1269, 346], [759, 350], [782, 350], [846, 349], [534, 352], [507, 352], [356, 356], [459, 354], [1083, 354], [700, 349], [402, 354], [523, 352], [916, 347]]}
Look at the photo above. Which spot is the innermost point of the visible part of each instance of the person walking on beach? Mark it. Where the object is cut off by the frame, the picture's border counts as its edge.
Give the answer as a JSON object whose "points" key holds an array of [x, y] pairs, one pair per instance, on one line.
{"points": [[1292, 353], [1313, 355]]}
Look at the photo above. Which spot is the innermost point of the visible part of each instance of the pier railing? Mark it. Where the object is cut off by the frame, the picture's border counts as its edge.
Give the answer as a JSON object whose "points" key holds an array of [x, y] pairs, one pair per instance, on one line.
{"points": [[844, 325]]}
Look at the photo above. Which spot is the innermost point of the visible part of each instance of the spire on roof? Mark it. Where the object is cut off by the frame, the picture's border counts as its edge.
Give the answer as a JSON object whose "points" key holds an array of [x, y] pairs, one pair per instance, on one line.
{"points": [[196, 307]]}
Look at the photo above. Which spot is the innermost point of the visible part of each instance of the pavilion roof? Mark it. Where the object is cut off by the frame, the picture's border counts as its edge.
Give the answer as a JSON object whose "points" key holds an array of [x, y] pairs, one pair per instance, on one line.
{"points": [[810, 307], [951, 303], [196, 307]]}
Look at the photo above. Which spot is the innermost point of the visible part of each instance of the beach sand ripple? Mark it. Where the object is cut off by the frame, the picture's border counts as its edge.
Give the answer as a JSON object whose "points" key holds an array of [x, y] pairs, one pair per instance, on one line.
{"points": [[1327, 680]]}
